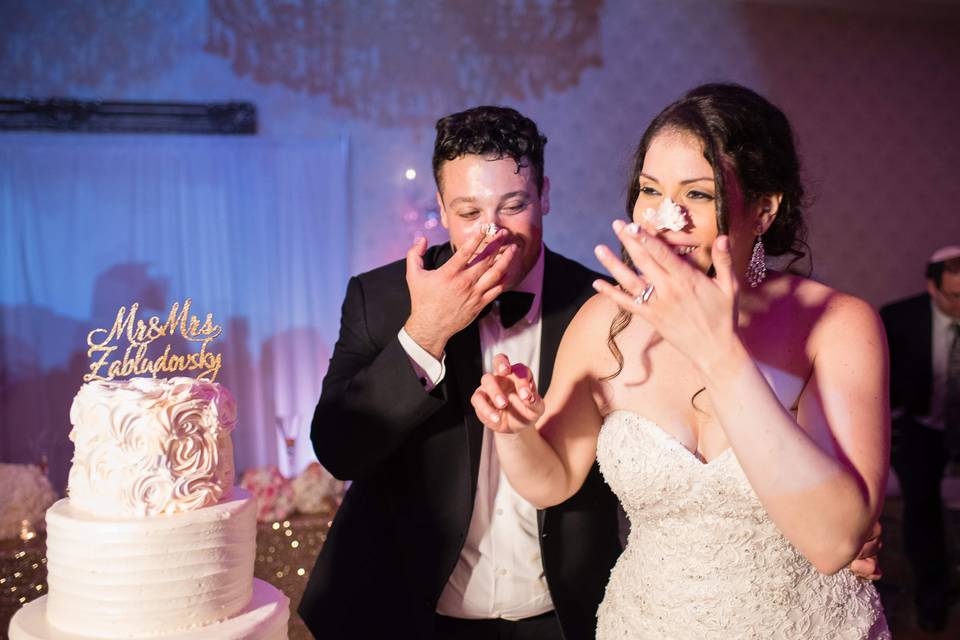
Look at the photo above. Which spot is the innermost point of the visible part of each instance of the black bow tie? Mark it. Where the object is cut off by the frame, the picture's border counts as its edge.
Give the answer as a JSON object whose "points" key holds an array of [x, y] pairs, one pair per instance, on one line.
{"points": [[513, 306]]}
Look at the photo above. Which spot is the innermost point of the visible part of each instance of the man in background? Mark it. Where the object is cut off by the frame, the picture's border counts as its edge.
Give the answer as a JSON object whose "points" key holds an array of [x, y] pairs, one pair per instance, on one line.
{"points": [[924, 341]]}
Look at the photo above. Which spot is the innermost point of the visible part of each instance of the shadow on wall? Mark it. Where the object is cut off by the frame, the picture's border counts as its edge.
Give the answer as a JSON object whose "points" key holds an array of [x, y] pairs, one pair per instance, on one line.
{"points": [[35, 400]]}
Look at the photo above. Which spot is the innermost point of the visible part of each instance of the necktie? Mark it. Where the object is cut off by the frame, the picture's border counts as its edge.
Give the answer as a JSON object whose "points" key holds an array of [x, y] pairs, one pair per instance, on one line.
{"points": [[952, 398], [513, 306]]}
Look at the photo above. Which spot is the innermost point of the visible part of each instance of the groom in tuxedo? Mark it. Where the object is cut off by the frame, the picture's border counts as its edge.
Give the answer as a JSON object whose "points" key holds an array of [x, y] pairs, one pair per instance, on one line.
{"points": [[431, 541]]}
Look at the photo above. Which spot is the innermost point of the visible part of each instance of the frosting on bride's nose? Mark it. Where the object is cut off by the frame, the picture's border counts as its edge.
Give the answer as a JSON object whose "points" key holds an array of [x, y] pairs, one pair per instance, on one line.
{"points": [[669, 215]]}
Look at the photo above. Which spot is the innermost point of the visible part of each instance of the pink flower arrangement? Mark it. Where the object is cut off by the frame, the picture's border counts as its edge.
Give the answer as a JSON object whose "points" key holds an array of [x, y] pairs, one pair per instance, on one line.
{"points": [[25, 496], [273, 492], [316, 491]]}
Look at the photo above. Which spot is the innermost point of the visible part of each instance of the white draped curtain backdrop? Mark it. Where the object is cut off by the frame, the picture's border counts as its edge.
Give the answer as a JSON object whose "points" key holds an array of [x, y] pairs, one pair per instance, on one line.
{"points": [[255, 232]]}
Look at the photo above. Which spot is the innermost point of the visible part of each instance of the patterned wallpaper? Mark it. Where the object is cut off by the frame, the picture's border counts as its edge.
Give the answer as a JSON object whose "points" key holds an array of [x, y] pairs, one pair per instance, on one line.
{"points": [[869, 86]]}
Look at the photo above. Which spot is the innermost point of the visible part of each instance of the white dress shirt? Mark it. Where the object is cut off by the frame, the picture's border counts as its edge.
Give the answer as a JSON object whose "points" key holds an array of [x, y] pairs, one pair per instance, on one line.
{"points": [[500, 572], [941, 339]]}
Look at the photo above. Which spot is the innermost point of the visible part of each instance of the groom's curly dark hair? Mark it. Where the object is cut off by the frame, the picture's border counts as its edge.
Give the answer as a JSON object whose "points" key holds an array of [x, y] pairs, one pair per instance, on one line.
{"points": [[494, 132]]}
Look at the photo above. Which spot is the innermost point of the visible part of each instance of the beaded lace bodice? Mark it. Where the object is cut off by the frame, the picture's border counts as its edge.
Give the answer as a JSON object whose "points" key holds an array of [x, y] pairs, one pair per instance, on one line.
{"points": [[704, 561]]}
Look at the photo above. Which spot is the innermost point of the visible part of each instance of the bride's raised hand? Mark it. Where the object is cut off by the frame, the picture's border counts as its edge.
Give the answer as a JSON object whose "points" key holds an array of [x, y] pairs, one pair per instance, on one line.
{"points": [[695, 313], [507, 400]]}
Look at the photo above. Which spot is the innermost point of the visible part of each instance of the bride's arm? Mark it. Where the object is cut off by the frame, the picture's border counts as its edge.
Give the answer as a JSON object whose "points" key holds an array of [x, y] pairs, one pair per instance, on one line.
{"points": [[825, 496], [549, 463]]}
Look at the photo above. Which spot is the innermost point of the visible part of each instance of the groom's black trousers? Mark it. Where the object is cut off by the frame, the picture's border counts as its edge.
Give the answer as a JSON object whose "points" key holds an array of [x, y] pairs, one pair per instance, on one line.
{"points": [[542, 627]]}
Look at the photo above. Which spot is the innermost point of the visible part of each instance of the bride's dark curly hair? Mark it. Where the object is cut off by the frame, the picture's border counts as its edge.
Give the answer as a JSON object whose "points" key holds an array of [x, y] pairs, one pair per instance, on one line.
{"points": [[742, 129]]}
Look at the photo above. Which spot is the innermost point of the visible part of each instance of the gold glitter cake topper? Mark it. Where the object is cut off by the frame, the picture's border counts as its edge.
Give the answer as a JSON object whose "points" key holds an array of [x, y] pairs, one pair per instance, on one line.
{"points": [[141, 335]]}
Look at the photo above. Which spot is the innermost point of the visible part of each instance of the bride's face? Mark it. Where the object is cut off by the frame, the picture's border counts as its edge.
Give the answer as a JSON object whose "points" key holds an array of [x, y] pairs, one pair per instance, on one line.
{"points": [[674, 167]]}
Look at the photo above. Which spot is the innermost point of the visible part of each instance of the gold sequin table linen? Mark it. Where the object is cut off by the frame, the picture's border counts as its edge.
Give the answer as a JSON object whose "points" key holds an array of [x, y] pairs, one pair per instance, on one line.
{"points": [[286, 551]]}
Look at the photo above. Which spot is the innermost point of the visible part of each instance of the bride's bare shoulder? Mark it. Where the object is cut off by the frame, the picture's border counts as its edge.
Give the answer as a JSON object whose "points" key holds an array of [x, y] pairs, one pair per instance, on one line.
{"points": [[600, 333], [596, 317], [834, 314], [597, 307], [589, 328]]}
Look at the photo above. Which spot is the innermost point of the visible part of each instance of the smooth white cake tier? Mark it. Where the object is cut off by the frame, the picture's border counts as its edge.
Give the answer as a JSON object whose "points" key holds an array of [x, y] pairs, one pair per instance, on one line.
{"points": [[145, 447], [264, 618], [137, 577]]}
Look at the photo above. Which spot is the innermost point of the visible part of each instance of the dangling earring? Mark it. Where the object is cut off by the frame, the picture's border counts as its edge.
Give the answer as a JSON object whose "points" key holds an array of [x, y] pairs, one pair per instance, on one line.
{"points": [[757, 269]]}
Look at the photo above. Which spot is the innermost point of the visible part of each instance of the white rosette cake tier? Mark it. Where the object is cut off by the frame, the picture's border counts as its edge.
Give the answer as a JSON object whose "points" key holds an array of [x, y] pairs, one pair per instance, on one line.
{"points": [[154, 540], [146, 447]]}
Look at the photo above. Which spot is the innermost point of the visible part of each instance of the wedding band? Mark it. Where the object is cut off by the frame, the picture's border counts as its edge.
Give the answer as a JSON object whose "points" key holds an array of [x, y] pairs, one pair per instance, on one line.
{"points": [[644, 295]]}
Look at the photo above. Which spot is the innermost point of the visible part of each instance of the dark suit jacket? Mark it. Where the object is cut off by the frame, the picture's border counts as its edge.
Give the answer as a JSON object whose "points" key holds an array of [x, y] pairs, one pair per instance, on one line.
{"points": [[907, 323], [413, 458]]}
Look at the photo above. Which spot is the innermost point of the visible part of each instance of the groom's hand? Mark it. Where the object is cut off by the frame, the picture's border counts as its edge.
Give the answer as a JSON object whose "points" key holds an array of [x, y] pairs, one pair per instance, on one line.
{"points": [[866, 564], [445, 300]]}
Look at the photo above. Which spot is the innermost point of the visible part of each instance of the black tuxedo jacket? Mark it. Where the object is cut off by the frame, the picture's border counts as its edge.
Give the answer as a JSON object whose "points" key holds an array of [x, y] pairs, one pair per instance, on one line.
{"points": [[413, 458], [907, 323]]}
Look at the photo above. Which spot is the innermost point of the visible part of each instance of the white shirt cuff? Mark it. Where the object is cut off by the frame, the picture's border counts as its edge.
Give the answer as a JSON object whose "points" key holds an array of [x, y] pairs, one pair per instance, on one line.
{"points": [[428, 369]]}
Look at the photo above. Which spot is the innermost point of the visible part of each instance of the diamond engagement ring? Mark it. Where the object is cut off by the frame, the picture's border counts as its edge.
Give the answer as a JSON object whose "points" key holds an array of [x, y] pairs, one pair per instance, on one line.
{"points": [[644, 295]]}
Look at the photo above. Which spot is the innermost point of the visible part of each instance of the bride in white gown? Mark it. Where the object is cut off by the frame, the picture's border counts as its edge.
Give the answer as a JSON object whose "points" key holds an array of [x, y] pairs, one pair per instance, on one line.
{"points": [[741, 417]]}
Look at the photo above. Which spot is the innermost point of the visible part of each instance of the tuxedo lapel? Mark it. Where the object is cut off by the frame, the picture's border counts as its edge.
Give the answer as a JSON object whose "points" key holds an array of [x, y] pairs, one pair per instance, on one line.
{"points": [[437, 255], [556, 311], [464, 368], [923, 348], [464, 362], [909, 333]]}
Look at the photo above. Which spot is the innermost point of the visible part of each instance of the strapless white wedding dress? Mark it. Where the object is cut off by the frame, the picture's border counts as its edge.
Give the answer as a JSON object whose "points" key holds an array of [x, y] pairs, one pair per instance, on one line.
{"points": [[704, 561]]}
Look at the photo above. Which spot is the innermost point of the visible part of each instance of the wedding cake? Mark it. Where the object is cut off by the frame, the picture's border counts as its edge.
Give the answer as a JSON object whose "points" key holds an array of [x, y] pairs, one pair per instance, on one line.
{"points": [[154, 540]]}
